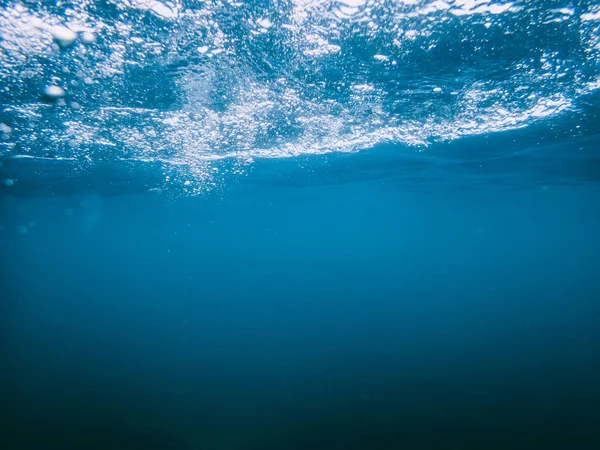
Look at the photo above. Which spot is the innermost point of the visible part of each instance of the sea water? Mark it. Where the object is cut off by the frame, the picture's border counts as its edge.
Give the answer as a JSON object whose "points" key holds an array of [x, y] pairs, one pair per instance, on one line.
{"points": [[337, 224]]}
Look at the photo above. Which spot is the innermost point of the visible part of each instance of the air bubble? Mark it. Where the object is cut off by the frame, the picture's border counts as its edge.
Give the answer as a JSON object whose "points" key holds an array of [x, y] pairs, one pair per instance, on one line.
{"points": [[264, 23], [36, 22], [88, 37], [437, 90], [54, 92], [5, 131], [63, 36]]}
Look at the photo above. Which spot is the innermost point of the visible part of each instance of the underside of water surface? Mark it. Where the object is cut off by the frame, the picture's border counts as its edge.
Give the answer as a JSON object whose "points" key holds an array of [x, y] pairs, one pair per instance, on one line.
{"points": [[299, 224], [187, 93]]}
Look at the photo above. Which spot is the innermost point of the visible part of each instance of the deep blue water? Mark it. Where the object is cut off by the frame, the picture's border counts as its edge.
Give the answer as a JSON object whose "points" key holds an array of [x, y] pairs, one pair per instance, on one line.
{"points": [[354, 224]]}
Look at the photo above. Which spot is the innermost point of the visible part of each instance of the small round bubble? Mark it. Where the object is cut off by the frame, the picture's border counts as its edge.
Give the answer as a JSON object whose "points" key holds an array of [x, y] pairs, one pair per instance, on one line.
{"points": [[54, 91], [63, 36], [88, 37]]}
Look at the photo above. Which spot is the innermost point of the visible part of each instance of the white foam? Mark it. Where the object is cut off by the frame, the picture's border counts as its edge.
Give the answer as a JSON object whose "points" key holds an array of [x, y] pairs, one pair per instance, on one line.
{"points": [[350, 114]]}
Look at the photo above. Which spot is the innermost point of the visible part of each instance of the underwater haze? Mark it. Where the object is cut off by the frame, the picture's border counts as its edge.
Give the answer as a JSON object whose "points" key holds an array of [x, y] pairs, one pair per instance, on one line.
{"points": [[299, 224]]}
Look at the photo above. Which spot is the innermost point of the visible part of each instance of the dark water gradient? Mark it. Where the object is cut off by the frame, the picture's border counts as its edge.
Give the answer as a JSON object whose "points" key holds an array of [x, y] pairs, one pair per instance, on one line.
{"points": [[390, 299], [333, 315]]}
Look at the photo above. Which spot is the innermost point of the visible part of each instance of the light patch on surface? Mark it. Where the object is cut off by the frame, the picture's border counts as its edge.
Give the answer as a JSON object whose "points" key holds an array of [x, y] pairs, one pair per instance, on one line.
{"points": [[481, 7], [593, 15], [166, 10]]}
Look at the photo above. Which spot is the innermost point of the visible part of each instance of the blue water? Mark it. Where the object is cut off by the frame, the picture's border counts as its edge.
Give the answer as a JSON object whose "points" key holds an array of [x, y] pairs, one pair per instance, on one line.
{"points": [[337, 224]]}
